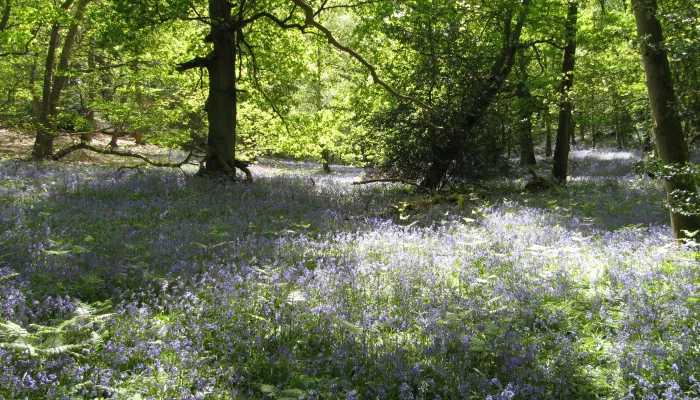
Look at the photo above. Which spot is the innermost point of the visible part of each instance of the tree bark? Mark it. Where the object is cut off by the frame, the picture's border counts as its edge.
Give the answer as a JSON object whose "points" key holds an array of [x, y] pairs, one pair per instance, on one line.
{"points": [[548, 137], [221, 104], [445, 153], [564, 131], [668, 132], [7, 10], [527, 148], [54, 81], [43, 144], [647, 141]]}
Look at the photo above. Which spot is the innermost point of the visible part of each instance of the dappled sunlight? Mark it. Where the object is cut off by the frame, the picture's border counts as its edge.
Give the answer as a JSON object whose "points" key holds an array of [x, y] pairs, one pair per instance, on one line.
{"points": [[602, 162], [312, 285]]}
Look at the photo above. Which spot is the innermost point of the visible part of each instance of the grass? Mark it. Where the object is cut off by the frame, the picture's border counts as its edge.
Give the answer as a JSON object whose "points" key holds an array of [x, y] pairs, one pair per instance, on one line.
{"points": [[150, 284]]}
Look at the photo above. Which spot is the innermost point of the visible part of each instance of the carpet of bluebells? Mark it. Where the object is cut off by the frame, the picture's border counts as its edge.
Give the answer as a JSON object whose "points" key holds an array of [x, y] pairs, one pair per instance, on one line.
{"points": [[151, 284]]}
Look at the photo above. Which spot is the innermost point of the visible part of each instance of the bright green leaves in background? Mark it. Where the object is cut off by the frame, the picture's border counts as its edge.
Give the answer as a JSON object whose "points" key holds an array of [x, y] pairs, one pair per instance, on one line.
{"points": [[302, 98]]}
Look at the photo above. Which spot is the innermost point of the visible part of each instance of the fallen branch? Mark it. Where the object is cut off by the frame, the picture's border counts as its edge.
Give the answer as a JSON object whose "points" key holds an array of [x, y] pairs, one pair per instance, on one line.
{"points": [[393, 180], [111, 151]]}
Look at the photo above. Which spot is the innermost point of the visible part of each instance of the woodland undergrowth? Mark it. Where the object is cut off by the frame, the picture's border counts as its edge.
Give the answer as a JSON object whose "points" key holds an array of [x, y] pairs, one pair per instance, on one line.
{"points": [[152, 284]]}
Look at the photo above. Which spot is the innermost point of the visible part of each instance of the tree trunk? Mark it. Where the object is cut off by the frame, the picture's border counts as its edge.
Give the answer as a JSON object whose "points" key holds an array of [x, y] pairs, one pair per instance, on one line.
{"points": [[7, 10], [527, 149], [114, 141], [87, 137], [54, 82], [594, 133], [221, 103], [444, 154], [43, 143], [668, 132], [561, 150], [548, 138], [647, 141]]}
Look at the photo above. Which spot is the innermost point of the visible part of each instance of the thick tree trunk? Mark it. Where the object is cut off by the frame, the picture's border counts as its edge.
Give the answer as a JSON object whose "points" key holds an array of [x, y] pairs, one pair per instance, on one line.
{"points": [[668, 133], [221, 104], [564, 130], [444, 154]]}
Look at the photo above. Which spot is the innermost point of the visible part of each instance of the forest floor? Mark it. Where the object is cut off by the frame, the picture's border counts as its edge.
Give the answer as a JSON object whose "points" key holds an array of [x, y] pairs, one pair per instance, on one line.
{"points": [[18, 144], [151, 283]]}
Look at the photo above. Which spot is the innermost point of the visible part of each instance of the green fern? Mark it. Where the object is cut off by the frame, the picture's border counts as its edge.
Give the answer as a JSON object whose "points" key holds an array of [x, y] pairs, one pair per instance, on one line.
{"points": [[68, 337]]}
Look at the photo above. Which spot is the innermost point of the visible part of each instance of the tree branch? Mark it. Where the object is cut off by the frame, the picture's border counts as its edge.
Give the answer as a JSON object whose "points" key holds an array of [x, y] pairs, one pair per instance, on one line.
{"points": [[197, 62], [111, 151], [344, 6], [281, 23], [26, 46], [392, 180], [543, 41], [310, 21]]}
